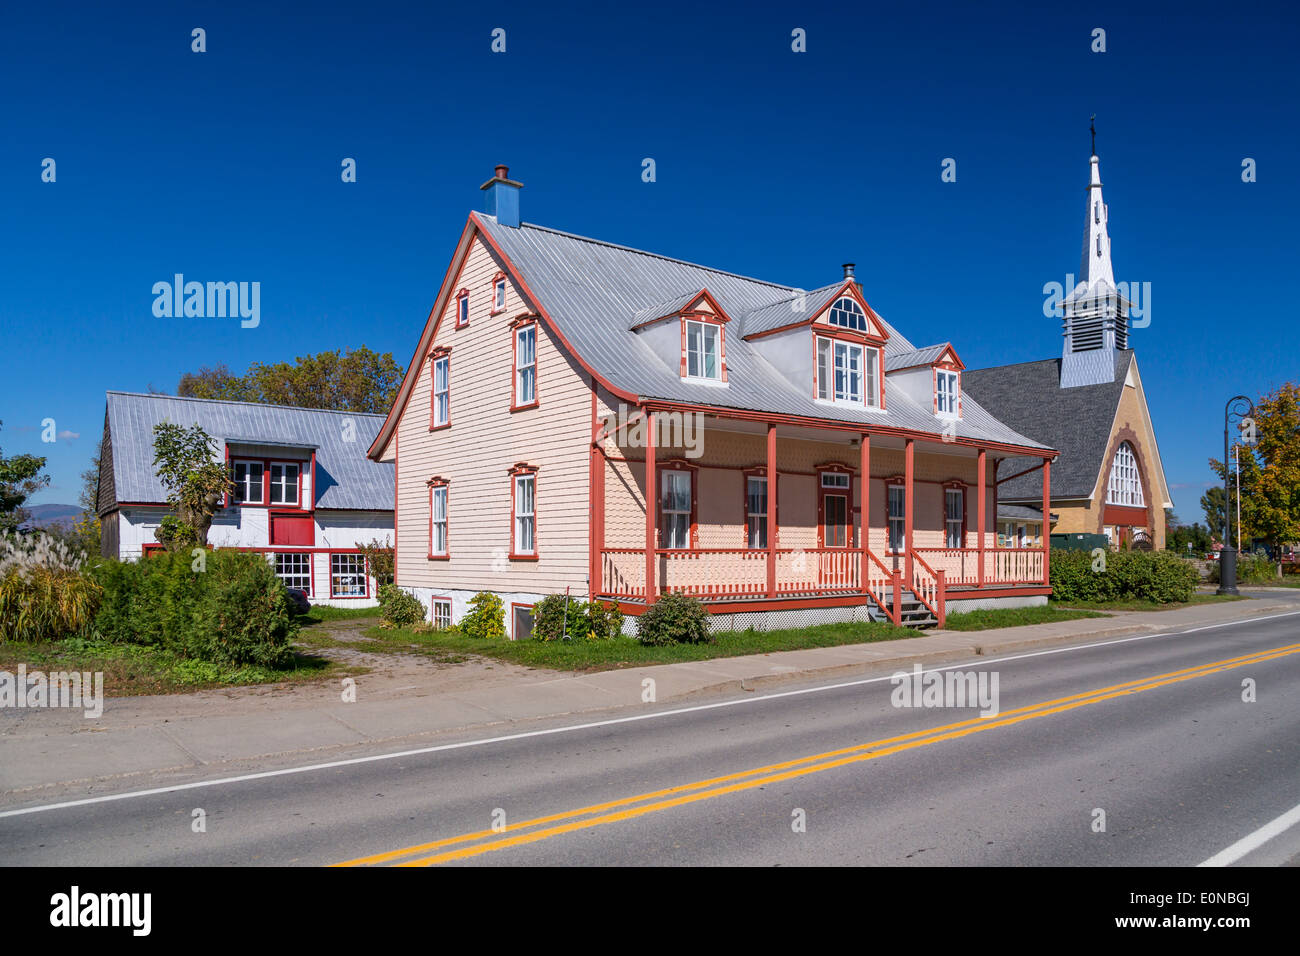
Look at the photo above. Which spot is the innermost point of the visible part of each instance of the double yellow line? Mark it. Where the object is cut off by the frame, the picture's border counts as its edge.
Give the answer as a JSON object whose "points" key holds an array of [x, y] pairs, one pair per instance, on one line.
{"points": [[627, 808]]}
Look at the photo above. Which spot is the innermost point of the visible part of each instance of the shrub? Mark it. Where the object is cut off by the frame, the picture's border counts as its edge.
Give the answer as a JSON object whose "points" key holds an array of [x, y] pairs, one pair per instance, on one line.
{"points": [[560, 617], [231, 610], [674, 619], [1251, 569], [487, 617], [398, 608], [606, 620], [1156, 576]]}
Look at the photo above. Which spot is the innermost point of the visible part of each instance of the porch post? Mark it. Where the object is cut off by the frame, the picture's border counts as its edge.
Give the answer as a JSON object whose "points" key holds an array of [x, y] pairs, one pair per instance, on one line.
{"points": [[981, 490], [596, 541], [771, 510], [651, 508], [1047, 517], [865, 522], [908, 470]]}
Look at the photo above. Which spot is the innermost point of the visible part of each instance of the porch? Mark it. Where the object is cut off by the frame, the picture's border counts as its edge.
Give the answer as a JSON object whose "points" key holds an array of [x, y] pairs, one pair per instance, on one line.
{"points": [[836, 539]]}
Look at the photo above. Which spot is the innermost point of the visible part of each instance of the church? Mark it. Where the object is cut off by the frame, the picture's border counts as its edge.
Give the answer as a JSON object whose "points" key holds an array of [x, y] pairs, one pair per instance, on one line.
{"points": [[1089, 405]]}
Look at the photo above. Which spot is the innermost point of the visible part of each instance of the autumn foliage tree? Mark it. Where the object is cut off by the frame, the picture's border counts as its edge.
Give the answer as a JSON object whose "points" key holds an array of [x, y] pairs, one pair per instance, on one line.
{"points": [[195, 481], [357, 380]]}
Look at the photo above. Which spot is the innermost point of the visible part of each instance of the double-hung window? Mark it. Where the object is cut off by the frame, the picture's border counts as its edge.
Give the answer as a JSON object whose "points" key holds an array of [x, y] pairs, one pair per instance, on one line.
{"points": [[675, 509], [945, 392], [953, 516], [526, 365], [525, 515], [703, 350], [847, 372], [284, 483], [499, 295], [462, 309], [441, 391], [438, 521], [897, 517], [756, 512], [247, 476]]}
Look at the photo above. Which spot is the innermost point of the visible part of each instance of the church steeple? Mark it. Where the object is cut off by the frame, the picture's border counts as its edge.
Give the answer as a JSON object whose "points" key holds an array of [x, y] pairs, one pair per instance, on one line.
{"points": [[1096, 315]]}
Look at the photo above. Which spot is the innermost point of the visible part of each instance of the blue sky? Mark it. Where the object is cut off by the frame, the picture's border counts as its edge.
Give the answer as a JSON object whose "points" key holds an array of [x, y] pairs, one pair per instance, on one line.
{"points": [[225, 166]]}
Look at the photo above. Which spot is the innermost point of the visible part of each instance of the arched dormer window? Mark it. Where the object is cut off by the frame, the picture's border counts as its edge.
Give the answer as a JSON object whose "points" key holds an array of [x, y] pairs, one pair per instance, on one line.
{"points": [[848, 314], [1125, 481]]}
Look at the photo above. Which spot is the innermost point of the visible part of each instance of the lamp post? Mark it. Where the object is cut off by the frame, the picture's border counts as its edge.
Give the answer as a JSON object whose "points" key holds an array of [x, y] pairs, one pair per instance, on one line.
{"points": [[1228, 556]]}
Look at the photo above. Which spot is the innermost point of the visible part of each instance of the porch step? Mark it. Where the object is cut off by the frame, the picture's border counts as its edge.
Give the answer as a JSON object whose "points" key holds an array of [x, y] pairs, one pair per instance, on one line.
{"points": [[912, 613]]}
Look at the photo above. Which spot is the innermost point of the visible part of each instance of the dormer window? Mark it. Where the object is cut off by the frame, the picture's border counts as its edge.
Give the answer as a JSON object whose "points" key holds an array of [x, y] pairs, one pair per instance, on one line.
{"points": [[847, 314], [947, 392], [703, 350], [848, 372]]}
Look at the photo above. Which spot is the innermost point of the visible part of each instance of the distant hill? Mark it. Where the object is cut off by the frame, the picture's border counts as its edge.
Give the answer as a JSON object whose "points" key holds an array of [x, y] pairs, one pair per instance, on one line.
{"points": [[45, 515]]}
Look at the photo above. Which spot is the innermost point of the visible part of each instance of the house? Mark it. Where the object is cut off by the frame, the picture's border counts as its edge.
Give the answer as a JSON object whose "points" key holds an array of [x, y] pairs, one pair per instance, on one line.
{"points": [[1089, 404], [305, 494], [803, 461]]}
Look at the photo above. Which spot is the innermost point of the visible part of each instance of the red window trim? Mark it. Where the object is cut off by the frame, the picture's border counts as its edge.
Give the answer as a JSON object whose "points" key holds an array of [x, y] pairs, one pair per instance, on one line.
{"points": [[519, 322], [705, 318], [758, 471], [899, 481], [513, 605], [365, 576], [442, 352], [296, 505], [439, 482], [519, 469], [956, 485], [497, 280], [311, 565], [678, 464], [462, 296], [856, 339], [149, 548], [835, 468]]}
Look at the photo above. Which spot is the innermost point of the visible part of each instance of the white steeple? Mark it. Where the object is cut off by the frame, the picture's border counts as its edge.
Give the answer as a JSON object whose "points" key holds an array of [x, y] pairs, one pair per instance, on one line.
{"points": [[1096, 315]]}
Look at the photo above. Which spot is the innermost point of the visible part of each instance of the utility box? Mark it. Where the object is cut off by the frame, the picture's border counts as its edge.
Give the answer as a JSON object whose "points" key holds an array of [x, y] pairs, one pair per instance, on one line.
{"points": [[1080, 542]]}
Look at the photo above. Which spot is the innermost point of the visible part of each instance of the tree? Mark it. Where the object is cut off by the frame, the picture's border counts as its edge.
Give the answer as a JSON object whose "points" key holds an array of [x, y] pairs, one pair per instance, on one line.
{"points": [[195, 481], [379, 556], [86, 531], [356, 381], [20, 478], [1212, 505], [1178, 536], [1270, 472]]}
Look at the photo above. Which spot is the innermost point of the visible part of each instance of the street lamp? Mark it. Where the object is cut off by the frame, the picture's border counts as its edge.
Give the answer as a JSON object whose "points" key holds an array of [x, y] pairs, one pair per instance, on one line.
{"points": [[1228, 556]]}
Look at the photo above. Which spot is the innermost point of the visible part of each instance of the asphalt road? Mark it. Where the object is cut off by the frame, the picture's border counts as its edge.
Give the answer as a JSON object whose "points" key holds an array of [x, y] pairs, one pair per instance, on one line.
{"points": [[1142, 729]]}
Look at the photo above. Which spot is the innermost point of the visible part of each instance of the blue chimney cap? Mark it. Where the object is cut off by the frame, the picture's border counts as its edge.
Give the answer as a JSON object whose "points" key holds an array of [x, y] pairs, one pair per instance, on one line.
{"points": [[502, 199]]}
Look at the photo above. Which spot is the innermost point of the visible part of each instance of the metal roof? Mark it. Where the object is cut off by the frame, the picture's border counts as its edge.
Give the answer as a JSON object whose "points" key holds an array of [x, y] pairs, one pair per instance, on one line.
{"points": [[592, 290], [922, 356], [345, 477], [662, 309], [799, 308]]}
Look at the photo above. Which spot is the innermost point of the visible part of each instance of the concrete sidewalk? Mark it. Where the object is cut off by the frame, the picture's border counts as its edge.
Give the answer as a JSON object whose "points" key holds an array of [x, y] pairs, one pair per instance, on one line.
{"points": [[52, 753]]}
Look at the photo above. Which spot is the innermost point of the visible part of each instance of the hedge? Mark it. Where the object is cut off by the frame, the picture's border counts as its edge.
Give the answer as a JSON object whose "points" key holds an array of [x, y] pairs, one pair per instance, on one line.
{"points": [[674, 619], [1156, 576]]}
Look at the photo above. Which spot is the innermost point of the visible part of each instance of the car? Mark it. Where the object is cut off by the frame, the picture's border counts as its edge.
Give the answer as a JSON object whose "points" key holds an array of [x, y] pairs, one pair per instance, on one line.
{"points": [[298, 597]]}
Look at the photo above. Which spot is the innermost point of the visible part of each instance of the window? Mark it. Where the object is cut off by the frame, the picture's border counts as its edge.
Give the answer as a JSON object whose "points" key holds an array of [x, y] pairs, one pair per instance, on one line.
{"points": [[945, 392], [441, 608], [441, 416], [848, 314], [954, 510], [897, 517], [756, 512], [247, 476], [524, 540], [526, 365], [294, 569], [347, 575], [498, 294], [284, 483], [847, 372], [703, 351], [522, 622], [1125, 482], [675, 509], [834, 479], [462, 309], [438, 521]]}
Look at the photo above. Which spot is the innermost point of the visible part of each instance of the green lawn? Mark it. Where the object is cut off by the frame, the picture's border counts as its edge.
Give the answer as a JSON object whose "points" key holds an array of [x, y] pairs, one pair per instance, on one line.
{"points": [[1013, 617], [321, 613], [1135, 605], [131, 669], [626, 651]]}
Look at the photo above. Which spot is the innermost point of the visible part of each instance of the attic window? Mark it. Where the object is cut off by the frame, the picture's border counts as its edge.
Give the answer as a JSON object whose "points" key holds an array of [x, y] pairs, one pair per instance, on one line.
{"points": [[947, 388], [848, 314], [499, 293], [462, 308], [702, 351]]}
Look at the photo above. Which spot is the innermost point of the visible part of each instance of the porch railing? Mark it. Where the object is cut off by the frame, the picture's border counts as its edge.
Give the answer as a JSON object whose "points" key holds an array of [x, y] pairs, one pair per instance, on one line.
{"points": [[927, 585], [1001, 565]]}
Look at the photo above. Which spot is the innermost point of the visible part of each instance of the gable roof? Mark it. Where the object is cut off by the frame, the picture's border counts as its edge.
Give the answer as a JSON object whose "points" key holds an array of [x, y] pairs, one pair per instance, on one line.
{"points": [[917, 357], [799, 307], [1076, 421], [346, 478], [591, 290]]}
